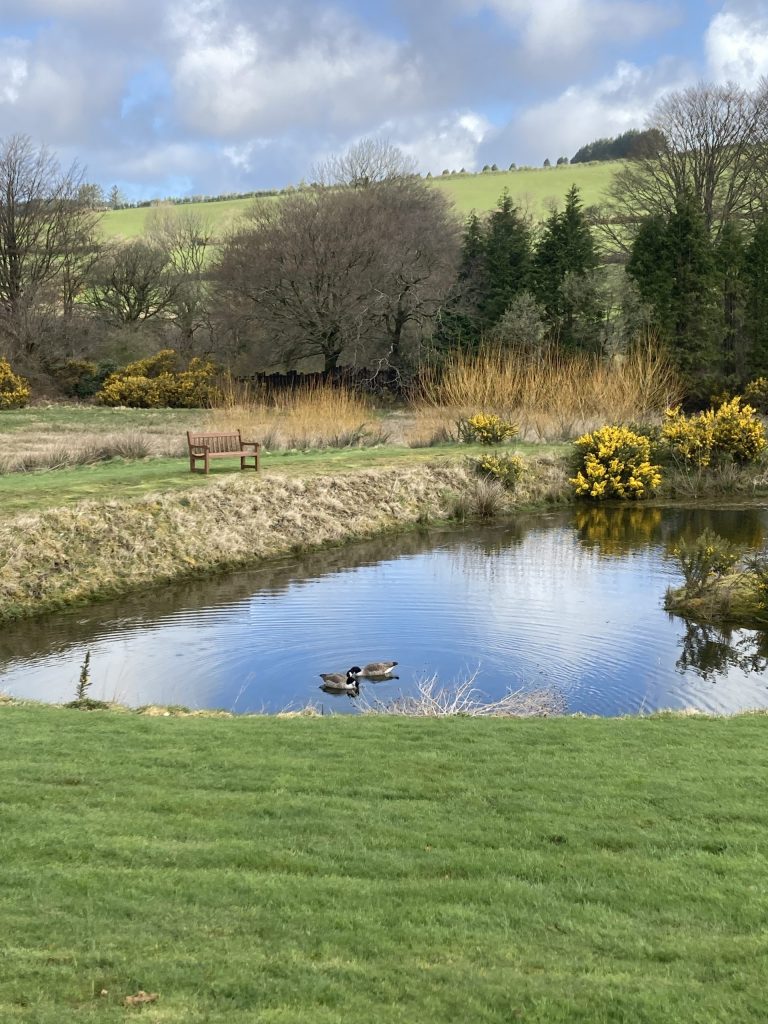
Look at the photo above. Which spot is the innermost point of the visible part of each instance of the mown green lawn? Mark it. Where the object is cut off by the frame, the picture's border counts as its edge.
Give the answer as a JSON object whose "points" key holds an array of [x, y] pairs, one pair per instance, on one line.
{"points": [[319, 871], [33, 492]]}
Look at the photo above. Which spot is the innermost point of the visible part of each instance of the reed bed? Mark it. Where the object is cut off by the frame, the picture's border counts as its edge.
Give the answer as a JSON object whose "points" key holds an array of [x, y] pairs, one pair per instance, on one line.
{"points": [[313, 415], [552, 398]]}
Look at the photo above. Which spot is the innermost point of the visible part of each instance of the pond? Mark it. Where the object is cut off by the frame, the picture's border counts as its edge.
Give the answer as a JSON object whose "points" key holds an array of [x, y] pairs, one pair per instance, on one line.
{"points": [[569, 599]]}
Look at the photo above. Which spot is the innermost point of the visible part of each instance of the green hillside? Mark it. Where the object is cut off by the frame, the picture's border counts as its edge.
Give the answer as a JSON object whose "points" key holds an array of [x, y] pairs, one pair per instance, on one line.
{"points": [[534, 189]]}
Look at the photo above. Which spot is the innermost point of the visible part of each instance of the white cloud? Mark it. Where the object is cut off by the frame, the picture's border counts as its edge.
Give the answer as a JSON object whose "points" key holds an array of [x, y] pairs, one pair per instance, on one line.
{"points": [[581, 114], [561, 27], [450, 142], [13, 69], [737, 47], [235, 79]]}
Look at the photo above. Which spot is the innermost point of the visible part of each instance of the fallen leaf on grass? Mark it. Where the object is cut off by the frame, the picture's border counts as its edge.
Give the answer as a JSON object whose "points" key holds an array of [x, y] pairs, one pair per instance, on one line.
{"points": [[140, 998]]}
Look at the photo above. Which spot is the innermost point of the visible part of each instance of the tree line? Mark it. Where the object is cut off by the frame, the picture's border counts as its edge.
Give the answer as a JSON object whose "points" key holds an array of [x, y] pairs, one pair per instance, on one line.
{"points": [[371, 267]]}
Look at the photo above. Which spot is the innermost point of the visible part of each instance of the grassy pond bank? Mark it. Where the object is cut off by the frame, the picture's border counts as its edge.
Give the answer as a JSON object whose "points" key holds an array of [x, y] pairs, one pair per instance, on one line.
{"points": [[312, 871]]}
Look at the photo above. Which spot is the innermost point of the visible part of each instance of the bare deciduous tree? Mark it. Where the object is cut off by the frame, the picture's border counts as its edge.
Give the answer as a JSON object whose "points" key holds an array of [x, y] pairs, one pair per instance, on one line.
{"points": [[187, 236], [368, 162], [132, 283], [43, 224], [299, 269], [343, 273], [418, 255], [712, 145]]}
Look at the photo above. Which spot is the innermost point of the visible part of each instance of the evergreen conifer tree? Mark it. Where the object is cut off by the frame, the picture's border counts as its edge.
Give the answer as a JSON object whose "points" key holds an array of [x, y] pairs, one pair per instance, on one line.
{"points": [[566, 252], [756, 298], [730, 269], [507, 260], [673, 263]]}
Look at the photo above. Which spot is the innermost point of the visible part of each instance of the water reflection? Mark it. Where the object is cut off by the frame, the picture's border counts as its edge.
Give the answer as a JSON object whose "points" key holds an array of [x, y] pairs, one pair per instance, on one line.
{"points": [[571, 598], [712, 652]]}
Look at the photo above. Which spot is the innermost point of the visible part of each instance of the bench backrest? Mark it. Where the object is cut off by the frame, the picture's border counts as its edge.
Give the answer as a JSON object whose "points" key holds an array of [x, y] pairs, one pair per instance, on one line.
{"points": [[217, 442]]}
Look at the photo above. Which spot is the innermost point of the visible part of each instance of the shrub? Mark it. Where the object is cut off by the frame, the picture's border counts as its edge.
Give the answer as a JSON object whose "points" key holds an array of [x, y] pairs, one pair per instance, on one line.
{"points": [[130, 389], [738, 432], [81, 378], [756, 393], [689, 439], [485, 428], [731, 432], [164, 361], [158, 386], [708, 556], [614, 462], [507, 469], [14, 390]]}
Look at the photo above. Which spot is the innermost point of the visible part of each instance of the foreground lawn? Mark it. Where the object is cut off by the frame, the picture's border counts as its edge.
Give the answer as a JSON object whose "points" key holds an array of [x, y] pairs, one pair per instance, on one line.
{"points": [[311, 871], [33, 492]]}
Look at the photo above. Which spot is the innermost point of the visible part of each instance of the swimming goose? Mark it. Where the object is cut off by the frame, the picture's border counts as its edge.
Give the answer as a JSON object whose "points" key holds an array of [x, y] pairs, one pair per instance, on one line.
{"points": [[375, 668], [335, 682]]}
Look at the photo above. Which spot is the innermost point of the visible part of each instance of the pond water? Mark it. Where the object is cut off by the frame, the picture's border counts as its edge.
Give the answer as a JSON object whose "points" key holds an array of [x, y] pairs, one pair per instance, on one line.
{"points": [[569, 599]]}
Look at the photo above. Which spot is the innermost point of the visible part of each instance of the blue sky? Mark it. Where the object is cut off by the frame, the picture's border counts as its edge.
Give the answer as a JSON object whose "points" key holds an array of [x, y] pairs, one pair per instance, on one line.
{"points": [[172, 97]]}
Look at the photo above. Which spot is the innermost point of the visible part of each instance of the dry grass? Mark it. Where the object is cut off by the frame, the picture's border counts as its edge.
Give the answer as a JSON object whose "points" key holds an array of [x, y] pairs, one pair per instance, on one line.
{"points": [[556, 397], [72, 554], [432, 700], [314, 415], [89, 449]]}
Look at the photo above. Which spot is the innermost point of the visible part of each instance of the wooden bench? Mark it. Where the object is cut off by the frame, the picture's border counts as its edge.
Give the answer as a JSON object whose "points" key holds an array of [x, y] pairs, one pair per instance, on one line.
{"points": [[219, 446]]}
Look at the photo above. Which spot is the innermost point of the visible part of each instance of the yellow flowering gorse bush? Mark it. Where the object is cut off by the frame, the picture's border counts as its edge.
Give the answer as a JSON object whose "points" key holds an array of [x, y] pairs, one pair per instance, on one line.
{"points": [[152, 383], [614, 462], [486, 428], [14, 390], [507, 469], [732, 431]]}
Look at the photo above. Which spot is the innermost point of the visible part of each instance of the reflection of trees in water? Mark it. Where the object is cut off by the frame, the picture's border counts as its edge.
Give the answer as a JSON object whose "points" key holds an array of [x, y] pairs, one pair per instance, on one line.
{"points": [[712, 652], [615, 531], [745, 527], [152, 608]]}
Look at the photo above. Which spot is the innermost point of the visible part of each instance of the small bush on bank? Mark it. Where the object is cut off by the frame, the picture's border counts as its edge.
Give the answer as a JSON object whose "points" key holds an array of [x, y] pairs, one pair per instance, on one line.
{"points": [[14, 390], [614, 462], [485, 428], [507, 469], [732, 432], [156, 383], [707, 557], [756, 393], [81, 378]]}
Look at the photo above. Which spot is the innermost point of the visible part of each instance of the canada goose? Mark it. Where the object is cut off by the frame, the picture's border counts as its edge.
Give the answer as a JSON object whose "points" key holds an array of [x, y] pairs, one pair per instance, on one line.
{"points": [[375, 669], [335, 682]]}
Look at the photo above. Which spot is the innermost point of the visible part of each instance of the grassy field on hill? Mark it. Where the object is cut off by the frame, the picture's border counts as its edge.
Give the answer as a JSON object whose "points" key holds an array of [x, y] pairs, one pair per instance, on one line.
{"points": [[534, 189], [320, 870]]}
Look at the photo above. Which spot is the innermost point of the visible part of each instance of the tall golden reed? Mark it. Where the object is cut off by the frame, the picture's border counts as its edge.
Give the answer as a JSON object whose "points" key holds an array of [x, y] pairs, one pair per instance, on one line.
{"points": [[313, 415], [558, 395]]}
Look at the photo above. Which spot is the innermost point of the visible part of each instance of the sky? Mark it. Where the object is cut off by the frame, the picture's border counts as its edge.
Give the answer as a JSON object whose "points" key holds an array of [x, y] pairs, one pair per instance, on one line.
{"points": [[188, 97]]}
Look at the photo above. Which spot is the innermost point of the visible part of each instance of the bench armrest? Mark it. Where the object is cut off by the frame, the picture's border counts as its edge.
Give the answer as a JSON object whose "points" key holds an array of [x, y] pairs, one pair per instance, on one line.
{"points": [[202, 448], [256, 444]]}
